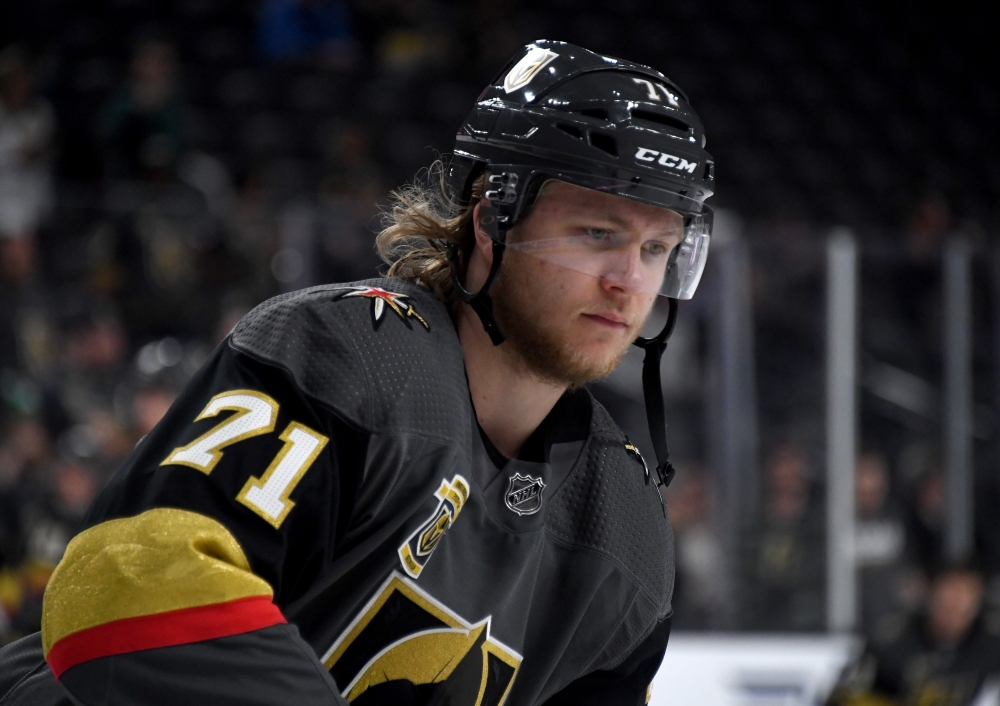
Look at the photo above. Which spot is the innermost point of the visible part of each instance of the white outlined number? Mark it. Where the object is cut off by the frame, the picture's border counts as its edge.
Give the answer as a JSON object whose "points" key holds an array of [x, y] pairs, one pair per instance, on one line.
{"points": [[653, 95], [256, 413], [268, 495]]}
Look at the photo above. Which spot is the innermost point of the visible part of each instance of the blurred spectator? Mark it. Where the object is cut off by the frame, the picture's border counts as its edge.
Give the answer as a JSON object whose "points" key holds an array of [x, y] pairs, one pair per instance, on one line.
{"points": [[161, 369], [496, 38], [27, 128], [51, 511], [926, 521], [987, 504], [142, 120], [929, 226], [885, 584], [411, 35], [698, 586], [25, 462], [902, 318], [148, 407], [940, 658], [318, 31], [235, 306], [24, 452], [94, 359], [785, 586], [347, 150], [349, 197], [252, 233]]}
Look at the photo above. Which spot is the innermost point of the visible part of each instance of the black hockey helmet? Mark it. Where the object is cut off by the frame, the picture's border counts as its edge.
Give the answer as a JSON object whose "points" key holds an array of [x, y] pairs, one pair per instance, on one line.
{"points": [[560, 107], [558, 111]]}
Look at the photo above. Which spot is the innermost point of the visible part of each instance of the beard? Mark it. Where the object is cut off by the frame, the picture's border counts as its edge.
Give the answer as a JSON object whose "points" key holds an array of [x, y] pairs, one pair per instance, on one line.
{"points": [[535, 347]]}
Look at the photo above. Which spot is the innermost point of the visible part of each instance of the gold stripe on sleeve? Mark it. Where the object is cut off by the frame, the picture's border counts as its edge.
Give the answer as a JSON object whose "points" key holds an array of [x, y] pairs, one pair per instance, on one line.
{"points": [[164, 559]]}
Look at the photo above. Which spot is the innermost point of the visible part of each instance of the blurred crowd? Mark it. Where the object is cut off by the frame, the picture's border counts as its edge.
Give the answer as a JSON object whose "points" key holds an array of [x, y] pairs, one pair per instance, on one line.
{"points": [[164, 168], [930, 622], [114, 288], [156, 184]]}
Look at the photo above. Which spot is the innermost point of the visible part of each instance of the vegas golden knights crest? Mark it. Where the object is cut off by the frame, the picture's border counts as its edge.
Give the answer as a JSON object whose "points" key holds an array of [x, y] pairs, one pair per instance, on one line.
{"points": [[406, 646], [383, 300], [417, 549]]}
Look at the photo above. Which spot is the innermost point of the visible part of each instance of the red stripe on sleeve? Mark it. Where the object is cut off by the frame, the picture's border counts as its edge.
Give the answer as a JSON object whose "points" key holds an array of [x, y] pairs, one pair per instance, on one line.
{"points": [[175, 627]]}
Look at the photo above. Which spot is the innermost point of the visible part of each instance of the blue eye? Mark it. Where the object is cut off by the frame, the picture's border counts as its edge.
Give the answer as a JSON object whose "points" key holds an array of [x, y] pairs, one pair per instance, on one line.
{"points": [[655, 247], [597, 233]]}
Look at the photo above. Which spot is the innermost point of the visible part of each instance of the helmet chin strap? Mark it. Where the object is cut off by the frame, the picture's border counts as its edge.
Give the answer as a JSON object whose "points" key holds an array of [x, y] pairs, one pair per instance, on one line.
{"points": [[480, 301], [652, 392]]}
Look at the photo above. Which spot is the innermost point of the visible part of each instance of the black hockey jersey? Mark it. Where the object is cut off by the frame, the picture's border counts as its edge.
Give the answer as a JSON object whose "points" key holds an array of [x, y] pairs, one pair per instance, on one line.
{"points": [[318, 518]]}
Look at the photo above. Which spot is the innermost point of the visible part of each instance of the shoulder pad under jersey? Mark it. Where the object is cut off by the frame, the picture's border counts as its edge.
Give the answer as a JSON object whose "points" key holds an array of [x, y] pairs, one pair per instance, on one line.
{"points": [[383, 353]]}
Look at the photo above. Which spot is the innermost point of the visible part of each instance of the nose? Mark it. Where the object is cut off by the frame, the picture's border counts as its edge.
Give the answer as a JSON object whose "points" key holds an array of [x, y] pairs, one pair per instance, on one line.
{"points": [[622, 270]]}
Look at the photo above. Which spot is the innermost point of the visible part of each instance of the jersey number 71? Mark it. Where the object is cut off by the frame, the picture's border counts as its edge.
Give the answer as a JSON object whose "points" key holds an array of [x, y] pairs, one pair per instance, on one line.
{"points": [[255, 415]]}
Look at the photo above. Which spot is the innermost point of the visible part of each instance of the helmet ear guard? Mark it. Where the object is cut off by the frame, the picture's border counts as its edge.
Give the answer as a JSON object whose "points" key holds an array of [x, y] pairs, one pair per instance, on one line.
{"points": [[505, 202]]}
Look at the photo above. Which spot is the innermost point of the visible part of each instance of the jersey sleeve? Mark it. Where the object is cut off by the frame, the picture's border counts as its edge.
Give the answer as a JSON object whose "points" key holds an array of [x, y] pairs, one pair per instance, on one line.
{"points": [[628, 684], [222, 515]]}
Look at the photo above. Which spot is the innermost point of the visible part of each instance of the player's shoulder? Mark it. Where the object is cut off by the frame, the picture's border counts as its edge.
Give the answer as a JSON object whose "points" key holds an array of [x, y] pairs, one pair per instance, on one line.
{"points": [[391, 308], [607, 505], [382, 352]]}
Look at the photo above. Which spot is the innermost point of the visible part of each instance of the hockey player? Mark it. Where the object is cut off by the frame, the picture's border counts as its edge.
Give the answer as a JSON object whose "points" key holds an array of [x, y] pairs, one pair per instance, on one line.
{"points": [[397, 491]]}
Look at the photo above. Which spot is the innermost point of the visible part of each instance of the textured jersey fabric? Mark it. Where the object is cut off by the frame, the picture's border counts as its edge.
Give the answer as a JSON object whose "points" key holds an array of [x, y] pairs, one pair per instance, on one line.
{"points": [[325, 468]]}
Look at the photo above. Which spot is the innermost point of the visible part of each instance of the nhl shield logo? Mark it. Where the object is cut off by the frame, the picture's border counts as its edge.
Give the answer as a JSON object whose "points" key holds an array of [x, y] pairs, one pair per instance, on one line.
{"points": [[524, 495], [527, 68]]}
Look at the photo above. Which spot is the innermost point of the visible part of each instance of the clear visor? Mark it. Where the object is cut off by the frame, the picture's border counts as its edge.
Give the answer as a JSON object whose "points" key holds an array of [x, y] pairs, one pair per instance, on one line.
{"points": [[616, 239]]}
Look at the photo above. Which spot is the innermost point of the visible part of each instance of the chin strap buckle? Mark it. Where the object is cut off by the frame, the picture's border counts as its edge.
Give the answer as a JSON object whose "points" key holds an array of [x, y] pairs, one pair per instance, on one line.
{"points": [[665, 473]]}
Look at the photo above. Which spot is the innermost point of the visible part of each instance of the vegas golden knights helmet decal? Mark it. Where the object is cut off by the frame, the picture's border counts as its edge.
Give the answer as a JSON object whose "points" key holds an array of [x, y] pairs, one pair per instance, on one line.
{"points": [[416, 550], [381, 301], [406, 646], [527, 68]]}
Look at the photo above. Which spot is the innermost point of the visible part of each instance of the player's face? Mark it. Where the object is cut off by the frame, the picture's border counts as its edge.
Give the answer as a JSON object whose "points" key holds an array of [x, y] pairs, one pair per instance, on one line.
{"points": [[574, 290]]}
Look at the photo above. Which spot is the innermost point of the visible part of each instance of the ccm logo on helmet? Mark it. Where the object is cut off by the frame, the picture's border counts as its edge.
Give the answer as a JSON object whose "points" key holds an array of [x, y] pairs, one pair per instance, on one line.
{"points": [[645, 154]]}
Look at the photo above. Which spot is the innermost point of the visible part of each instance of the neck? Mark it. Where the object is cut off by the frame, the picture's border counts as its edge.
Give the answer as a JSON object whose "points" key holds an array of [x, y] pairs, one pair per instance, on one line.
{"points": [[509, 400]]}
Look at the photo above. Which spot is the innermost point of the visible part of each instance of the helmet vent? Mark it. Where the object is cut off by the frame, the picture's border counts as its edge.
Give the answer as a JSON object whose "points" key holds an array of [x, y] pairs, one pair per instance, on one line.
{"points": [[649, 116], [606, 143], [571, 130], [599, 113]]}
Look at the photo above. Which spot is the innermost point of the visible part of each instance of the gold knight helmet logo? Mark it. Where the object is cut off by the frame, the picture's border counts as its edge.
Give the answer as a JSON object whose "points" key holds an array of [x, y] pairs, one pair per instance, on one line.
{"points": [[527, 68]]}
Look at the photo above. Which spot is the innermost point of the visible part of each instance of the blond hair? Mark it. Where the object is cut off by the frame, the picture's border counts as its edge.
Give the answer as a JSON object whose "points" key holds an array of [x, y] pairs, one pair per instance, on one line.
{"points": [[421, 221]]}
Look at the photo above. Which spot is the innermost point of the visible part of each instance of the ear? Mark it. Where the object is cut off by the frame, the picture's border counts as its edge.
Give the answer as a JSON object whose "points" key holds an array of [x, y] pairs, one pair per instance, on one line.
{"points": [[484, 244]]}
